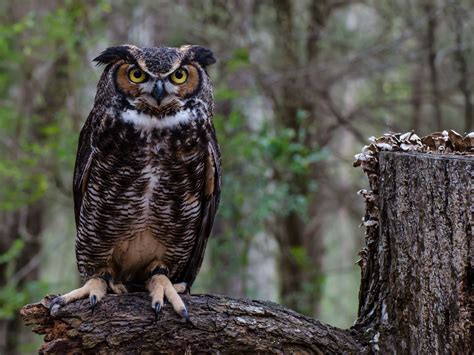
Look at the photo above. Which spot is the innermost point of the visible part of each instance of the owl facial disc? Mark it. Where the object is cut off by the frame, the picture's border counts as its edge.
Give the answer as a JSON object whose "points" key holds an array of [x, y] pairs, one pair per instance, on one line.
{"points": [[157, 83]]}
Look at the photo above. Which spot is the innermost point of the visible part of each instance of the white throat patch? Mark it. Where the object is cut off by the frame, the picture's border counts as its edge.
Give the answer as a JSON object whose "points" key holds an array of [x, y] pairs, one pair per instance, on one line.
{"points": [[147, 122]]}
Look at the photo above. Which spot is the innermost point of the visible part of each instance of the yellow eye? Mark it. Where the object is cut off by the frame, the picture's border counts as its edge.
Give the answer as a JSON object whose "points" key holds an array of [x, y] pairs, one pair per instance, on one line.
{"points": [[179, 76], [137, 76]]}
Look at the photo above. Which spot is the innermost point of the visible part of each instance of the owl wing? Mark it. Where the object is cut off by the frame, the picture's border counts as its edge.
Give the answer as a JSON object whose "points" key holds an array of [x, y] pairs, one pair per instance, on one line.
{"points": [[209, 203], [83, 164]]}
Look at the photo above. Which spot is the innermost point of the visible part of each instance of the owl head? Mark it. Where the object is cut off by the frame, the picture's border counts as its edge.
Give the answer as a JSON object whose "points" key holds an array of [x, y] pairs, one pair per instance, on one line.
{"points": [[150, 85]]}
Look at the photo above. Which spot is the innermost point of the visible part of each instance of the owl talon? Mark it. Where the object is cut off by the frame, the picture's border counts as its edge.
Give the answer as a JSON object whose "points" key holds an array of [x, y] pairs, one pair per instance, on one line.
{"points": [[94, 288], [157, 310], [184, 314], [93, 302], [58, 300], [160, 287], [55, 304]]}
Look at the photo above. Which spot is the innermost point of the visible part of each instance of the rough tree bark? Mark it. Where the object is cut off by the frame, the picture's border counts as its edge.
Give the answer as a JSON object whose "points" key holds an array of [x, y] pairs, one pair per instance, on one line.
{"points": [[416, 292], [126, 324]]}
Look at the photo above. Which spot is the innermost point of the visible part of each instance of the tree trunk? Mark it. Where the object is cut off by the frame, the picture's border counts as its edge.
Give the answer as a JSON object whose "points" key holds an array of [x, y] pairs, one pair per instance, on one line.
{"points": [[420, 300], [436, 97], [416, 293], [299, 277], [461, 55]]}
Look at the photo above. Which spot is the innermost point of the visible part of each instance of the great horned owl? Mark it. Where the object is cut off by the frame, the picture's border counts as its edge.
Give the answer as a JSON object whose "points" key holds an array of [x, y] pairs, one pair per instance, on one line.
{"points": [[147, 175]]}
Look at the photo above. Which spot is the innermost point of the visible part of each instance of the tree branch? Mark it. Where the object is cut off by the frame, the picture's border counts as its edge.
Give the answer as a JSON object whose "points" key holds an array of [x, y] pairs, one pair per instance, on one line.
{"points": [[126, 324]]}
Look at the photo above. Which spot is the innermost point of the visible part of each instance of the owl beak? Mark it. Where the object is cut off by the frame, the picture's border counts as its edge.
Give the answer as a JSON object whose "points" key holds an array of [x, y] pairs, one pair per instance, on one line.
{"points": [[158, 91]]}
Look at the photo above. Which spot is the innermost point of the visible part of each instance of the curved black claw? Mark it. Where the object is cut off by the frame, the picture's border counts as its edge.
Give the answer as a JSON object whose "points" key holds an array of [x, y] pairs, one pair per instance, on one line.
{"points": [[157, 309], [57, 302], [93, 301], [184, 314]]}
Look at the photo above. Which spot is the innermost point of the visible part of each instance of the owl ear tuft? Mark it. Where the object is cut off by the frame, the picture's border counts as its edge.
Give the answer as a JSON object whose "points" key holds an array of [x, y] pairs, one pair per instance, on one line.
{"points": [[203, 56], [113, 54]]}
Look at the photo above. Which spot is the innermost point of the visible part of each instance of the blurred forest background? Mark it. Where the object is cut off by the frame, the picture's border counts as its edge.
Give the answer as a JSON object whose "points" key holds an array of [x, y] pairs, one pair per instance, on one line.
{"points": [[299, 87]]}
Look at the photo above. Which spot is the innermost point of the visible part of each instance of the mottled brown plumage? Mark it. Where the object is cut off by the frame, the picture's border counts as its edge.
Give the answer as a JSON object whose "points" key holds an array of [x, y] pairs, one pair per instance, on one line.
{"points": [[147, 174]]}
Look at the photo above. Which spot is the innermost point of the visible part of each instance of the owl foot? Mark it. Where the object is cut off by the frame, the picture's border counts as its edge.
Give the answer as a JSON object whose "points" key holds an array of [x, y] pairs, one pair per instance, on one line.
{"points": [[94, 288], [160, 286], [117, 288]]}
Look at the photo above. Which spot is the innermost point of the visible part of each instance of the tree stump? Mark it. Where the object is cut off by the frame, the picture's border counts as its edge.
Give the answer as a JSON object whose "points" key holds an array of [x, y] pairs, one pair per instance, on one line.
{"points": [[416, 293]]}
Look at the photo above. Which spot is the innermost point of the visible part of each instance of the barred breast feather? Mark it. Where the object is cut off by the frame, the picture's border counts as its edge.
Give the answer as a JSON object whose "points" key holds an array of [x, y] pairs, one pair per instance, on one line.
{"points": [[140, 195]]}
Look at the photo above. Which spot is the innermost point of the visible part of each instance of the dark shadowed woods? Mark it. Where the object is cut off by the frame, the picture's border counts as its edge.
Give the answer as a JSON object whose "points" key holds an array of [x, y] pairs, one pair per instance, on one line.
{"points": [[299, 87]]}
